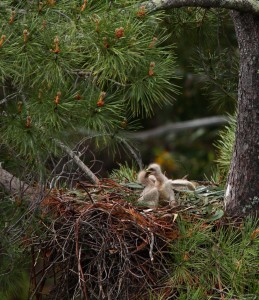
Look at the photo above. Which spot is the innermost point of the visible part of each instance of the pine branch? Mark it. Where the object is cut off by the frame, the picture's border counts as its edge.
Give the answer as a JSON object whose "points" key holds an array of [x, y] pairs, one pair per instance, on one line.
{"points": [[250, 6]]}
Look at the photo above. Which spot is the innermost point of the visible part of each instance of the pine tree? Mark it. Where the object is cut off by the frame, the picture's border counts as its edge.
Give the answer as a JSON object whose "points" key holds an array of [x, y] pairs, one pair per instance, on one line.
{"points": [[110, 55], [68, 65]]}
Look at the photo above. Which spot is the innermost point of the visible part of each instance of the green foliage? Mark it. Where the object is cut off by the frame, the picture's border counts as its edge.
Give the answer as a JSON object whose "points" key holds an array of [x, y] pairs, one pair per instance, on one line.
{"points": [[64, 67], [207, 258], [125, 173], [219, 70], [15, 286], [207, 57], [209, 43], [225, 146], [14, 281]]}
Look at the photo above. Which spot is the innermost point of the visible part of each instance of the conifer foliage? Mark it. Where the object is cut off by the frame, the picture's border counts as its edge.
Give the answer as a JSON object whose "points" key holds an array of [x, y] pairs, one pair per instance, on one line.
{"points": [[66, 65]]}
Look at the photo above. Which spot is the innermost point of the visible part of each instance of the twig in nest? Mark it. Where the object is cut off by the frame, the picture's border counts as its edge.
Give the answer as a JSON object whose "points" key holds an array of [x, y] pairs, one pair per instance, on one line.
{"points": [[78, 255], [109, 255], [89, 195], [151, 247]]}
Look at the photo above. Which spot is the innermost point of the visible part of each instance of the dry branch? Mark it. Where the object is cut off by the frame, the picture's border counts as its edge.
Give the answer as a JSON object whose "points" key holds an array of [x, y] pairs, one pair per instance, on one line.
{"points": [[88, 173], [179, 126], [14, 185]]}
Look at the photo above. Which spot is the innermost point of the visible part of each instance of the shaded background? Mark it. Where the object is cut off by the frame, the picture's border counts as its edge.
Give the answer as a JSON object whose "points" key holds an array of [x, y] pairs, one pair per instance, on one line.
{"points": [[207, 57]]}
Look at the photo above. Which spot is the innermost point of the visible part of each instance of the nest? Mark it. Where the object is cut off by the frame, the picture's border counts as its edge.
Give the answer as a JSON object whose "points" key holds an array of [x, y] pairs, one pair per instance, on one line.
{"points": [[105, 249]]}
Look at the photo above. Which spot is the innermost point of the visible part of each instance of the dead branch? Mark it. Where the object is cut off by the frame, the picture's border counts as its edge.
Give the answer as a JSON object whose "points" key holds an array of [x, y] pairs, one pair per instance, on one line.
{"points": [[14, 185], [89, 174], [179, 127]]}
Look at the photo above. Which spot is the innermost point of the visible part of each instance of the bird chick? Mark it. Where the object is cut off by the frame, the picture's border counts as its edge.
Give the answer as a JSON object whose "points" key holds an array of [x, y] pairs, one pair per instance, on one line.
{"points": [[177, 185], [166, 193], [146, 179], [182, 184], [167, 186], [150, 194], [155, 170]]}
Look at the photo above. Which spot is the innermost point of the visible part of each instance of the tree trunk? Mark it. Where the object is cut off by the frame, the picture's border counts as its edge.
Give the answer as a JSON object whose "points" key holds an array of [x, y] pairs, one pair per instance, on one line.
{"points": [[242, 192]]}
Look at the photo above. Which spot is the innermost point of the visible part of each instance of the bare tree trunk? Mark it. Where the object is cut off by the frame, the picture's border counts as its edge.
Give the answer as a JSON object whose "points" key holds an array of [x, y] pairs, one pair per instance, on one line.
{"points": [[242, 193]]}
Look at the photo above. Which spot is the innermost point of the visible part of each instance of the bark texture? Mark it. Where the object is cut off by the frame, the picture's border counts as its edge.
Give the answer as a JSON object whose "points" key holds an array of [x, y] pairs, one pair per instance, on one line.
{"points": [[242, 191], [14, 185], [251, 6]]}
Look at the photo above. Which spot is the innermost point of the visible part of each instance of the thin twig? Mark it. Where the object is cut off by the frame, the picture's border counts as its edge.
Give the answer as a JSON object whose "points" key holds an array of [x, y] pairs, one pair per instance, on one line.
{"points": [[85, 189]]}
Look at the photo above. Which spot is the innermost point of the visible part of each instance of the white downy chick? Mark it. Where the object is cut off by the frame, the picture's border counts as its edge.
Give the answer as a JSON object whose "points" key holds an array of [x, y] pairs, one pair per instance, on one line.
{"points": [[177, 185], [150, 194], [155, 170], [182, 184], [166, 193]]}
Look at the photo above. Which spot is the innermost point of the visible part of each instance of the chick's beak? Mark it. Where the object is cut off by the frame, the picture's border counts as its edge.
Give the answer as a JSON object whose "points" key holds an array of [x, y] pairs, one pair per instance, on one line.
{"points": [[147, 172]]}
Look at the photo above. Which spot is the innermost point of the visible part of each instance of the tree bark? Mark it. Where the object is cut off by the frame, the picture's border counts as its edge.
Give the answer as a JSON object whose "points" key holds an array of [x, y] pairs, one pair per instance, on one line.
{"points": [[242, 192], [251, 6], [14, 186]]}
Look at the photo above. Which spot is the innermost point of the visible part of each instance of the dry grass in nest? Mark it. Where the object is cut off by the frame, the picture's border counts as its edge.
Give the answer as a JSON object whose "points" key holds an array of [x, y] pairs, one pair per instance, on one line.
{"points": [[105, 249]]}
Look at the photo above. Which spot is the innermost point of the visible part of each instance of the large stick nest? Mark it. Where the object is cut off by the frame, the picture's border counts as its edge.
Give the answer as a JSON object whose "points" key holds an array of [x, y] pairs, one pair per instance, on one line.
{"points": [[105, 249]]}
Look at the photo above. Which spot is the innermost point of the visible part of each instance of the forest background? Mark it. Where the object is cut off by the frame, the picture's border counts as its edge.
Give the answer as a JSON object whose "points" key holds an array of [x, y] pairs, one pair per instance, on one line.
{"points": [[207, 64]]}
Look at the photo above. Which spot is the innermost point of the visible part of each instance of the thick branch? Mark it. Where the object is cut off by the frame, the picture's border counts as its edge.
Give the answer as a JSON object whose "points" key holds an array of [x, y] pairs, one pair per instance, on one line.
{"points": [[14, 185], [251, 6], [180, 126]]}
